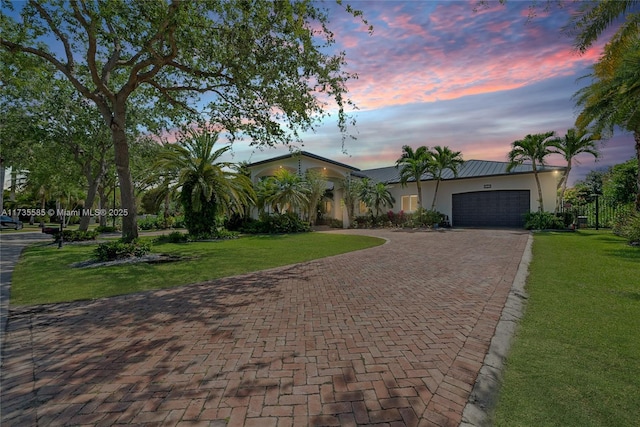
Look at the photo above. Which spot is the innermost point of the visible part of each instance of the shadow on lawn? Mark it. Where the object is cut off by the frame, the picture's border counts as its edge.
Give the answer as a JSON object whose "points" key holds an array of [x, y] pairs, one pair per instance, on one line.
{"points": [[65, 363]]}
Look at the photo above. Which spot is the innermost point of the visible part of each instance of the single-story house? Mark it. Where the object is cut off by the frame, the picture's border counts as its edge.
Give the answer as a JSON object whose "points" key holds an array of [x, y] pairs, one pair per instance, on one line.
{"points": [[483, 194]]}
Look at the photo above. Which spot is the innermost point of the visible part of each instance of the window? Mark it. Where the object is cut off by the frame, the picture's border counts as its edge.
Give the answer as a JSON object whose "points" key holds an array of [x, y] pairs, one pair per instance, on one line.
{"points": [[362, 208], [409, 203]]}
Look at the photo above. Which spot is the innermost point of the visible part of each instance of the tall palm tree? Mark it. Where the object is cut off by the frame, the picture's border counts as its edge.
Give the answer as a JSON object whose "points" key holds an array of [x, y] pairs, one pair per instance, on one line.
{"points": [[412, 165], [208, 186], [290, 191], [442, 158], [573, 143], [534, 149], [613, 98]]}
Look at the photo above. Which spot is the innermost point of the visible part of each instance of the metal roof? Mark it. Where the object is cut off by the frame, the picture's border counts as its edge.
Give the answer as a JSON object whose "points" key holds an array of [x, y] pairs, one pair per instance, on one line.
{"points": [[391, 175], [469, 169]]}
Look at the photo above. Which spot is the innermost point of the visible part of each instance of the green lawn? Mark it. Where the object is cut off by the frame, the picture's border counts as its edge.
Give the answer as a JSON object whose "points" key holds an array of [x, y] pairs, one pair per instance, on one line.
{"points": [[43, 274], [575, 360]]}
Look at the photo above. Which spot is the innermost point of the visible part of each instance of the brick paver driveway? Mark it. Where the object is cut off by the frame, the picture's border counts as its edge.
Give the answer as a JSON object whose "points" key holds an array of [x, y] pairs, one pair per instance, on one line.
{"points": [[393, 335]]}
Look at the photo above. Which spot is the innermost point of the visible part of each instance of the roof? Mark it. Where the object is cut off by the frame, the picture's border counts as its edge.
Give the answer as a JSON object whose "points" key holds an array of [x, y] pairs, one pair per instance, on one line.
{"points": [[306, 154], [469, 169]]}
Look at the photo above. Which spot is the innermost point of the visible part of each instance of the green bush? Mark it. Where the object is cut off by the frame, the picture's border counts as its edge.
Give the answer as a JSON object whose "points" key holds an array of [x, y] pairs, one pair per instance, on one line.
{"points": [[118, 249], [148, 223], [178, 221], [277, 224], [627, 223], [543, 221], [173, 237], [75, 235], [106, 229]]}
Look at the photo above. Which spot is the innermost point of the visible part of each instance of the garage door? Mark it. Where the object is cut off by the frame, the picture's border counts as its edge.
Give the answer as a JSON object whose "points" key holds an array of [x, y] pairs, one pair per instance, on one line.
{"points": [[502, 208]]}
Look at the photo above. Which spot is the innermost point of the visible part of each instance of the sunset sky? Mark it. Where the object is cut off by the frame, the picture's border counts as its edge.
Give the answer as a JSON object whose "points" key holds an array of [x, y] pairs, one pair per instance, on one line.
{"points": [[438, 73]]}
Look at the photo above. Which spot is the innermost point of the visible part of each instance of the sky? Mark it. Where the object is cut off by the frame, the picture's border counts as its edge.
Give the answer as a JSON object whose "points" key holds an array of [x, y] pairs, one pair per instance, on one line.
{"points": [[440, 73]]}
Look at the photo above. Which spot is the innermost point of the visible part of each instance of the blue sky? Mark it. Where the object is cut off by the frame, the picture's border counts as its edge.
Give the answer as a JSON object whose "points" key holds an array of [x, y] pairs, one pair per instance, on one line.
{"points": [[440, 73]]}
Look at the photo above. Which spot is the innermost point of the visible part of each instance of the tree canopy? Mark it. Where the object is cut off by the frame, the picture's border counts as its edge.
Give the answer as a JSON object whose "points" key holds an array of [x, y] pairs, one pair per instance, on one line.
{"points": [[264, 70]]}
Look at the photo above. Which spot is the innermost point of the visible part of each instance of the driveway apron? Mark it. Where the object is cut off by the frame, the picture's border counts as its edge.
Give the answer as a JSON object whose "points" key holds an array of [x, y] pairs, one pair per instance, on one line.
{"points": [[393, 335]]}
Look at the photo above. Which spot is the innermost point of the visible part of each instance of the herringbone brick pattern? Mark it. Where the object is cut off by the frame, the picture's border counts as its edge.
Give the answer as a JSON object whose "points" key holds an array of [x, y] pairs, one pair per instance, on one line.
{"points": [[390, 336]]}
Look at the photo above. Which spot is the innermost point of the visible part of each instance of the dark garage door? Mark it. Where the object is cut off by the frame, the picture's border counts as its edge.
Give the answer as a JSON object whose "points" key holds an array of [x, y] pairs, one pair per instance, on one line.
{"points": [[502, 208]]}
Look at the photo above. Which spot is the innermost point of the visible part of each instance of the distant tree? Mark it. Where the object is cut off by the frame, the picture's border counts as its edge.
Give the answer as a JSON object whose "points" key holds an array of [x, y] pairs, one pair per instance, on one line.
{"points": [[266, 65], [442, 158], [413, 165], [572, 144], [533, 148], [619, 183], [208, 187]]}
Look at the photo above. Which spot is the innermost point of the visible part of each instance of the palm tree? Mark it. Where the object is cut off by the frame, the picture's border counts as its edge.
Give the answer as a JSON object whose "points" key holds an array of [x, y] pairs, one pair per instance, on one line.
{"points": [[381, 197], [573, 143], [316, 186], [412, 165], [534, 149], [375, 195], [290, 192], [208, 187], [442, 158], [349, 195], [612, 99]]}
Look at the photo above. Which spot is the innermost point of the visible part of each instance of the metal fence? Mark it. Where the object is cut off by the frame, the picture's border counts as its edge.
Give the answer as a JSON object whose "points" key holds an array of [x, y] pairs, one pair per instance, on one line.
{"points": [[598, 213]]}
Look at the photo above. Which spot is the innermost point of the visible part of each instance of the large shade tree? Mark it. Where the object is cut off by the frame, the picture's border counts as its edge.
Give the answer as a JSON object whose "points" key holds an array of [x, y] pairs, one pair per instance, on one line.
{"points": [[266, 67], [412, 165], [572, 144], [443, 158], [534, 149]]}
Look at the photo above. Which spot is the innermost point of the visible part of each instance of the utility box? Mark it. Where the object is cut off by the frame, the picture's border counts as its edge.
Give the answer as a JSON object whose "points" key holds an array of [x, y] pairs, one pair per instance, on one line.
{"points": [[582, 222]]}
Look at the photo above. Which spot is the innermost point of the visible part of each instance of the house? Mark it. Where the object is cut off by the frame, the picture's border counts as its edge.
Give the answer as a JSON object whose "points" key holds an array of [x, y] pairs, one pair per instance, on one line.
{"points": [[483, 194]]}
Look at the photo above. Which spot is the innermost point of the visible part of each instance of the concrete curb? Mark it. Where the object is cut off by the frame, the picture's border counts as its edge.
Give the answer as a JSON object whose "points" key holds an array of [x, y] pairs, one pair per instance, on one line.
{"points": [[484, 396]]}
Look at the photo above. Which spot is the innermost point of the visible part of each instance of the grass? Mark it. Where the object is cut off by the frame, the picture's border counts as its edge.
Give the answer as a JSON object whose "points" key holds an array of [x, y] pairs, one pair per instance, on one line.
{"points": [[575, 360], [43, 274]]}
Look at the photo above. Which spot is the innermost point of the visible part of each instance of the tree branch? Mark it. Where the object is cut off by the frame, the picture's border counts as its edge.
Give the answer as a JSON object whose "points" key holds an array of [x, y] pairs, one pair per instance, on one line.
{"points": [[63, 38], [90, 28]]}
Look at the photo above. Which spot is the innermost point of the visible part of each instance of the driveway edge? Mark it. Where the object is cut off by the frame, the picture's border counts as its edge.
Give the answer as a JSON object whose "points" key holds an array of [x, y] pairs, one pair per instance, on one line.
{"points": [[484, 396]]}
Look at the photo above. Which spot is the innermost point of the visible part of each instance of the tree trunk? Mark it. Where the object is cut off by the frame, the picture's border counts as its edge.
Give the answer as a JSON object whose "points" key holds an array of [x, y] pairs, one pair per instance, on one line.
{"points": [[2, 170], [435, 195], [88, 203], [419, 193], [103, 204], [636, 136], [540, 201], [127, 197], [562, 186]]}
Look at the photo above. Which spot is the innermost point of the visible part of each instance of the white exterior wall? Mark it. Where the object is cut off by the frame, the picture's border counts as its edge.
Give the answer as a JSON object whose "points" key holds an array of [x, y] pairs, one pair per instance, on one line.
{"points": [[526, 181], [300, 164]]}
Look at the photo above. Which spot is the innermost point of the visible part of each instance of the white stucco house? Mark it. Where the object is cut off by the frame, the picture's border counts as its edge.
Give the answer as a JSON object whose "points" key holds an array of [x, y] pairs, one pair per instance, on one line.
{"points": [[483, 194]]}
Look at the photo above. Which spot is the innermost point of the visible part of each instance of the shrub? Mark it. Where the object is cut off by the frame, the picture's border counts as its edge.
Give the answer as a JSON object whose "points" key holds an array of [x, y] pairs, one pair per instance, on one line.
{"points": [[118, 249], [542, 221], [75, 235], [106, 229], [178, 221], [627, 224], [335, 223], [277, 224], [148, 223], [173, 237]]}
